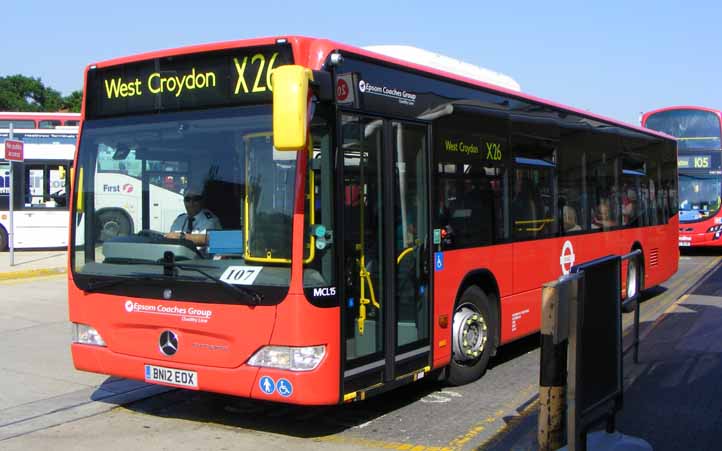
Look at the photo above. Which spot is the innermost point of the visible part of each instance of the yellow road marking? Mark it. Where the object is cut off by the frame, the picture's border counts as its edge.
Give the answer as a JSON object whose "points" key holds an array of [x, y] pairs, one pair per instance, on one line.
{"points": [[480, 426], [28, 273], [368, 443], [44, 276]]}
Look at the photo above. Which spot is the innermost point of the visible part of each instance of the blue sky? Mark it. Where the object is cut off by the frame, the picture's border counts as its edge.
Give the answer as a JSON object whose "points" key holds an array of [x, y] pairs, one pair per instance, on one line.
{"points": [[615, 58]]}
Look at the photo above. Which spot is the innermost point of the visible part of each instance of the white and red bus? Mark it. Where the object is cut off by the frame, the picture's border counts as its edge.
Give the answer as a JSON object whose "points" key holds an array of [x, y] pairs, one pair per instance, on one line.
{"points": [[381, 219], [38, 119], [39, 193], [698, 131]]}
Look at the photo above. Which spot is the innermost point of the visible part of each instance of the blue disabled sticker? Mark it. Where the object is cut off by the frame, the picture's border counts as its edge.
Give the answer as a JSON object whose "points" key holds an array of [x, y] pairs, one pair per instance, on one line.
{"points": [[438, 261], [267, 385], [285, 388]]}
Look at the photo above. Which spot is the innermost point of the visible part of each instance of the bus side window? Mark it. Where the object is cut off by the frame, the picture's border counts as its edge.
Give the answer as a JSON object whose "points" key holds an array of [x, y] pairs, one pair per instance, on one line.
{"points": [[570, 220], [49, 123], [524, 207], [532, 203], [630, 207], [45, 186]]}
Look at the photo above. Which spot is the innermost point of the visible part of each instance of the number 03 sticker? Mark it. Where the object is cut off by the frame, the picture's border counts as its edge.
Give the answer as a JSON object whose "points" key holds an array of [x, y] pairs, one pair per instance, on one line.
{"points": [[241, 275]]}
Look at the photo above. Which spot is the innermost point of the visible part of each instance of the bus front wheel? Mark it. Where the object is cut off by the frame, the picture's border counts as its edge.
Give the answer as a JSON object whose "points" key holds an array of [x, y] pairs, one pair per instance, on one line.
{"points": [[110, 224], [474, 332]]}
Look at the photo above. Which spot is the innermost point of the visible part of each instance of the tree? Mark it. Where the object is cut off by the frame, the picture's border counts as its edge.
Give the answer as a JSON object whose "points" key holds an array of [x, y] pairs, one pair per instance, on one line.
{"points": [[21, 93], [73, 102]]}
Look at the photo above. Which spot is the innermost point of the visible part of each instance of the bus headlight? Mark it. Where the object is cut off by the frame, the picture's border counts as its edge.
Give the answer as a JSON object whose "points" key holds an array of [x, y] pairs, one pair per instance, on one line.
{"points": [[288, 358], [84, 334]]}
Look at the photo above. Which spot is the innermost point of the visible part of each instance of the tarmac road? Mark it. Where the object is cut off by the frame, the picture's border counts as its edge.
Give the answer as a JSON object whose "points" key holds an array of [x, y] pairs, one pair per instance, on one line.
{"points": [[424, 416]]}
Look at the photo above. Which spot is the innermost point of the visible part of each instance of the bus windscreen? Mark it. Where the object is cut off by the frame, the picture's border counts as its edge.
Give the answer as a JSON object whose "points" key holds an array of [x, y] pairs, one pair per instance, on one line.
{"points": [[694, 129]]}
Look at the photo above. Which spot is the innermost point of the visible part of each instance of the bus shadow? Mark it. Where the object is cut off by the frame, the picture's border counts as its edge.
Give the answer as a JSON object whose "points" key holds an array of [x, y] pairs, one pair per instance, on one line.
{"points": [[650, 293], [700, 251], [290, 420], [515, 349], [303, 421]]}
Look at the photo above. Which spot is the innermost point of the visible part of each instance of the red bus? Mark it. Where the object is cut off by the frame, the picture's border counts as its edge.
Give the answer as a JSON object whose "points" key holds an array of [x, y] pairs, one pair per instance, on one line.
{"points": [[38, 120], [698, 131], [378, 220]]}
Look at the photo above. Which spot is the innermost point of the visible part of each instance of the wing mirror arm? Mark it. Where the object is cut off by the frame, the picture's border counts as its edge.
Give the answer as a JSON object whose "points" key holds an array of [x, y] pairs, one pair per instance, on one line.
{"points": [[322, 86]]}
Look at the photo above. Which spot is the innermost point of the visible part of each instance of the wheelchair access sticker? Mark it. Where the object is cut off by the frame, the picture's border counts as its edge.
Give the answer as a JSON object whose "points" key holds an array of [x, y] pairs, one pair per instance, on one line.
{"points": [[269, 386], [284, 388], [438, 261]]}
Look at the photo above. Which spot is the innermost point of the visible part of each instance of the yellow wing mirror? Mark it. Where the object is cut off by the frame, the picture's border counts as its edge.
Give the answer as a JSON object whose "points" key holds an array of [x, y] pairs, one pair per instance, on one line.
{"points": [[290, 106]]}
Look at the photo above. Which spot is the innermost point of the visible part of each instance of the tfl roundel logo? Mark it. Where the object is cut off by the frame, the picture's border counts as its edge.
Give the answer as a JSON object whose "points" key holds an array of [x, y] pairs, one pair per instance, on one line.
{"points": [[567, 258]]}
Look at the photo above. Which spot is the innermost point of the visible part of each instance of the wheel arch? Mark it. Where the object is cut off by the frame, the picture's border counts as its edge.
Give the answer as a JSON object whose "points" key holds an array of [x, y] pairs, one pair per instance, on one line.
{"points": [[485, 280]]}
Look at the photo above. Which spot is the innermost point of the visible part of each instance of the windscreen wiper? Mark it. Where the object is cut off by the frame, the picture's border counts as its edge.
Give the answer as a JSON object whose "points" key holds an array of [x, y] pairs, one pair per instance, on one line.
{"points": [[254, 296], [95, 285], [169, 265]]}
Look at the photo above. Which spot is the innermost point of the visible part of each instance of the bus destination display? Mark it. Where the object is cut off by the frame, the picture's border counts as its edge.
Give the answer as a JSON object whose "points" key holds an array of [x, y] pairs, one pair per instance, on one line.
{"points": [[699, 161], [213, 79]]}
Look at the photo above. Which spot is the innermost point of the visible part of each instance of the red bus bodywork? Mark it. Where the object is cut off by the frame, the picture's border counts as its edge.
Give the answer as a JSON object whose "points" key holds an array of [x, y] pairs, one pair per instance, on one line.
{"points": [[40, 120], [233, 333]]}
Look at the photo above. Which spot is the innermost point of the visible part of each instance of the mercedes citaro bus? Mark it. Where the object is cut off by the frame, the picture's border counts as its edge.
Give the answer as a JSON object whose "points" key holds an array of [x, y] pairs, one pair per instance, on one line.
{"points": [[381, 220]]}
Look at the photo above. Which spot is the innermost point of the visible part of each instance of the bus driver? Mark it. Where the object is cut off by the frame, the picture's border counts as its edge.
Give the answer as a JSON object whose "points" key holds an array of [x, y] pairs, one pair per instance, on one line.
{"points": [[196, 221]]}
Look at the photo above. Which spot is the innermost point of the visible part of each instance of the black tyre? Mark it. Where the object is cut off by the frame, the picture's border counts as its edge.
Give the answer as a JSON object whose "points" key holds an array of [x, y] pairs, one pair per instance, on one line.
{"points": [[3, 239], [110, 224], [630, 306], [474, 336]]}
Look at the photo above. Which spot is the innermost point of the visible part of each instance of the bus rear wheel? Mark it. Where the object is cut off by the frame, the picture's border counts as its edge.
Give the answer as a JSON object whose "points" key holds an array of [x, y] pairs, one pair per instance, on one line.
{"points": [[639, 274], [474, 336], [3, 239]]}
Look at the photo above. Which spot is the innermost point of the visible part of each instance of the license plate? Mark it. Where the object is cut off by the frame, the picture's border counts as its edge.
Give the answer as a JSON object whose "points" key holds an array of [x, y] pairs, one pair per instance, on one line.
{"points": [[171, 376], [685, 243]]}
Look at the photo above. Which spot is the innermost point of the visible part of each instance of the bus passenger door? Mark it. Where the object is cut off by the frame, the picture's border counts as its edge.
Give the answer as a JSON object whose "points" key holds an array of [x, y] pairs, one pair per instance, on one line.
{"points": [[385, 226]]}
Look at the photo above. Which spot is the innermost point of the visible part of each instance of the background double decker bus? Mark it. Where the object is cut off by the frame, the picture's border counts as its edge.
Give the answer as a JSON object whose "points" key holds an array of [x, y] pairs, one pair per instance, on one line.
{"points": [[698, 131], [38, 119], [381, 219]]}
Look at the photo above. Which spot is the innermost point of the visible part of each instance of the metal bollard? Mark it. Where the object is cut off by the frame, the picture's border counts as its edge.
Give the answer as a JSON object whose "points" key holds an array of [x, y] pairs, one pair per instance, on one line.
{"points": [[552, 373]]}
